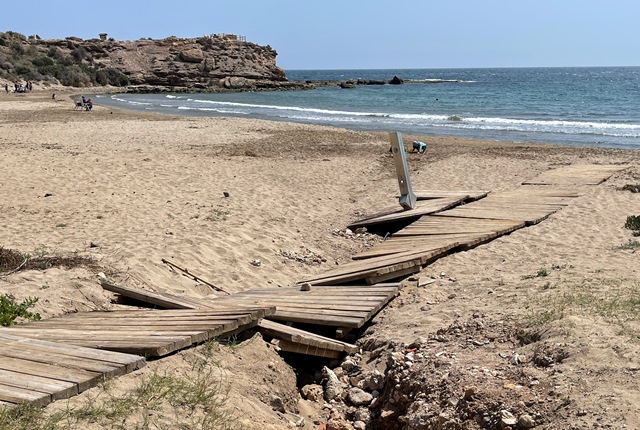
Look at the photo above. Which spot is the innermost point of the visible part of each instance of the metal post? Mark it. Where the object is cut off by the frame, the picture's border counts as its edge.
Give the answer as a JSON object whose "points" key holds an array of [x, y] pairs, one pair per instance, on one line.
{"points": [[407, 198]]}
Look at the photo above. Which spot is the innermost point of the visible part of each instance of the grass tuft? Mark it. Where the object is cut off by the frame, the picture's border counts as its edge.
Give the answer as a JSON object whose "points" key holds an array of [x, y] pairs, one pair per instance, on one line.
{"points": [[194, 397]]}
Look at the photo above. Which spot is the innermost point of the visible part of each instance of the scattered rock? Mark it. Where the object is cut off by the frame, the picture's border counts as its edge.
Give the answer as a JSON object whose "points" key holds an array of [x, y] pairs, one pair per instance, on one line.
{"points": [[525, 421], [359, 425], [333, 389], [48, 194], [507, 418], [312, 392], [359, 397], [469, 392], [338, 424], [225, 193], [256, 263], [277, 404], [348, 365]]}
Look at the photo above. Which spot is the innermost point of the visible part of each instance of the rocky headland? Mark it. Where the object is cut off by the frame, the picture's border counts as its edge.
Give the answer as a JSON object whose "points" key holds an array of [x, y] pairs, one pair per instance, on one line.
{"points": [[214, 62]]}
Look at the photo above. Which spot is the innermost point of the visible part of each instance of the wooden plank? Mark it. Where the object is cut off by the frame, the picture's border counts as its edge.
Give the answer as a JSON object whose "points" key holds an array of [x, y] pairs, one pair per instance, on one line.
{"points": [[393, 274], [299, 348], [20, 395], [82, 378], [465, 195], [62, 360], [423, 207], [166, 301], [328, 320], [591, 174], [175, 315], [127, 361], [319, 291], [56, 389], [150, 333], [328, 303], [292, 334], [371, 266], [529, 218]]}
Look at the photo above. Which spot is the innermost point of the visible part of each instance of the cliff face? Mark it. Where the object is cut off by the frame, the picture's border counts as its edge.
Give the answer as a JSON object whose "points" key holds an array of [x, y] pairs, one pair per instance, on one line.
{"points": [[205, 63], [193, 63]]}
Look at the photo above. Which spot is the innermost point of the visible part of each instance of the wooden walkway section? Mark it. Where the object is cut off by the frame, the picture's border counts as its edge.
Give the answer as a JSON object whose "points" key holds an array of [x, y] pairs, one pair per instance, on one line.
{"points": [[39, 372], [151, 333], [335, 306], [576, 174], [289, 338], [453, 226]]}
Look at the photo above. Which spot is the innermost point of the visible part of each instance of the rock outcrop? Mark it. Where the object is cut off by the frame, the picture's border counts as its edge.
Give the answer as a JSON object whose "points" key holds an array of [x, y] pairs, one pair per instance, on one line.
{"points": [[207, 63]]}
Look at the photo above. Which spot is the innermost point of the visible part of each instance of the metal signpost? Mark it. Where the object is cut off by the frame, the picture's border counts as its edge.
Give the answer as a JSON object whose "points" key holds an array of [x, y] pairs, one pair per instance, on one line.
{"points": [[407, 198]]}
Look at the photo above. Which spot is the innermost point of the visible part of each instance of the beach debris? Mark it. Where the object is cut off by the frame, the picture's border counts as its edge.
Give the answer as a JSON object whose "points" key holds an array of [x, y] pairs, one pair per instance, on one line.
{"points": [[48, 194], [256, 263], [305, 256], [634, 188], [93, 245], [424, 281], [225, 193], [188, 274], [305, 287]]}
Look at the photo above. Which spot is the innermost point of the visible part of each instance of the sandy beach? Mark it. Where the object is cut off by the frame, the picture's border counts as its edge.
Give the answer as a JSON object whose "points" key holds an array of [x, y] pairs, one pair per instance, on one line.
{"points": [[129, 189]]}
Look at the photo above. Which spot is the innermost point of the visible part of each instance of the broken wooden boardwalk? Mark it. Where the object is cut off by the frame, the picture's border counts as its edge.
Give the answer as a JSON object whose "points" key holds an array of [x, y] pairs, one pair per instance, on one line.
{"points": [[289, 338], [144, 332], [39, 372]]}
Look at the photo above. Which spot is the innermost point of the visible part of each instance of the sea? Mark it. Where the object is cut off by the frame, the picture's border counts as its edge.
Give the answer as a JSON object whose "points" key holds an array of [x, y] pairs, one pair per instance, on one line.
{"points": [[580, 106]]}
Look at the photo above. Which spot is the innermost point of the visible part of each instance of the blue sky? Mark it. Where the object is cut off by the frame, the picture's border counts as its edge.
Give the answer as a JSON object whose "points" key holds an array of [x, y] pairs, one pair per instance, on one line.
{"points": [[366, 34]]}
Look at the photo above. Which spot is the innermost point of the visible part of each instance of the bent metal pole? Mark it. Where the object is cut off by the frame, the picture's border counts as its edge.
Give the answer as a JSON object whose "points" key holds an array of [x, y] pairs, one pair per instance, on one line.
{"points": [[407, 197]]}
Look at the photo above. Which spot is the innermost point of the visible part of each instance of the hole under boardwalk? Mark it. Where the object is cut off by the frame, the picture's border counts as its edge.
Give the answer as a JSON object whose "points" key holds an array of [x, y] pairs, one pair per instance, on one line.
{"points": [[39, 372], [428, 202], [147, 333]]}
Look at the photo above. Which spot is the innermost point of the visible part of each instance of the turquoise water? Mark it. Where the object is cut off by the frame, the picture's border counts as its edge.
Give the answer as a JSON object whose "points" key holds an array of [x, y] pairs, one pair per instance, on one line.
{"points": [[571, 106]]}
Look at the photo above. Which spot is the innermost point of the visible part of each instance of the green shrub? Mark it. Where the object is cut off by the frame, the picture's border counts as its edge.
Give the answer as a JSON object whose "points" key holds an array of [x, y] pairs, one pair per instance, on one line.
{"points": [[633, 222], [42, 61], [10, 310]]}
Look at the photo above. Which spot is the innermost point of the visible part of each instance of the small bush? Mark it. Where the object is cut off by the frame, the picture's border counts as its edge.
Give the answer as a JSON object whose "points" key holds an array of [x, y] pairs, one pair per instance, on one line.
{"points": [[633, 222], [10, 310]]}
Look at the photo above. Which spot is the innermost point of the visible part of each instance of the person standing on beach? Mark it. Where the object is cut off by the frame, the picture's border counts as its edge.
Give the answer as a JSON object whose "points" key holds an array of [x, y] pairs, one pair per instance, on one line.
{"points": [[6, 88]]}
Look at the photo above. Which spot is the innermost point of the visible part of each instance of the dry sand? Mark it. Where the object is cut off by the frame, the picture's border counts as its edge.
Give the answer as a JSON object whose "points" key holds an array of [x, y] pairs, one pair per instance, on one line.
{"points": [[129, 189]]}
